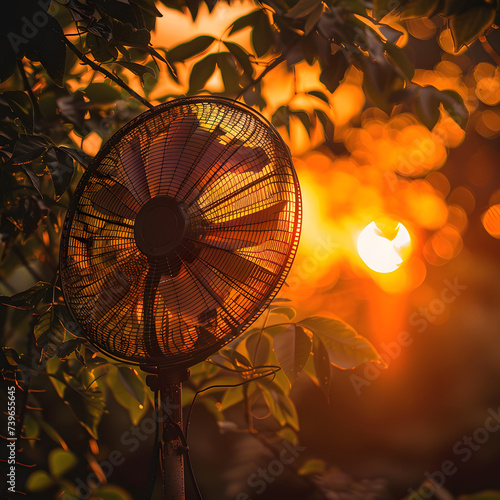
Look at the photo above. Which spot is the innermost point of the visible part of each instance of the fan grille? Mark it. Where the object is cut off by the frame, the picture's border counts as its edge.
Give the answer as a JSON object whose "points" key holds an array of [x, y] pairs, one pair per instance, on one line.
{"points": [[180, 232]]}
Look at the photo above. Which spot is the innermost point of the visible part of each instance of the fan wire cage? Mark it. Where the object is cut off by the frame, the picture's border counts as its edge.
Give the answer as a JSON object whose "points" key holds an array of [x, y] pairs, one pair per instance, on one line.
{"points": [[181, 232]]}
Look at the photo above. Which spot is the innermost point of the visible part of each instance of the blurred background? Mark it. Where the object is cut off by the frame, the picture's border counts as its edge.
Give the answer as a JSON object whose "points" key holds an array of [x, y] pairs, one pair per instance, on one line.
{"points": [[400, 239]]}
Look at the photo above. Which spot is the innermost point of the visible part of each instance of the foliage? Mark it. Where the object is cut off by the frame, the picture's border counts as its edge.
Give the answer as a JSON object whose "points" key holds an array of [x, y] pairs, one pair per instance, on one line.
{"points": [[49, 107]]}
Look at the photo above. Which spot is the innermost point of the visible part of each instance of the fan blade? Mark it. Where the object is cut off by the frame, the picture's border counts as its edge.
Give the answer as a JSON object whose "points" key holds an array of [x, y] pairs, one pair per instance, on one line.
{"points": [[155, 168], [220, 160], [248, 159], [171, 151], [232, 265], [247, 230], [115, 200], [188, 297], [133, 166]]}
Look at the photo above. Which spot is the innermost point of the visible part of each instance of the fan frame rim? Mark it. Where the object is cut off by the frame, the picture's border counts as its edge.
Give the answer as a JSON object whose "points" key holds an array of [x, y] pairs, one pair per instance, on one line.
{"points": [[202, 355]]}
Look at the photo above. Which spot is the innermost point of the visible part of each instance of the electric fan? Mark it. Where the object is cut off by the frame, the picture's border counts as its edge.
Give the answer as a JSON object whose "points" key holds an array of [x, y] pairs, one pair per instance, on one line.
{"points": [[180, 233]]}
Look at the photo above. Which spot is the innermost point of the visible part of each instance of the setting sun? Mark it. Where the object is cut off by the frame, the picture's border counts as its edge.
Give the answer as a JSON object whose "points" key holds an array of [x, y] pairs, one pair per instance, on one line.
{"points": [[381, 252]]}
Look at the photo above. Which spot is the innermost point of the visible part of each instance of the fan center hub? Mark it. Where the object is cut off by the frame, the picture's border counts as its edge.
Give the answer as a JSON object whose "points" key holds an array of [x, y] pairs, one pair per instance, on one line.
{"points": [[159, 226]]}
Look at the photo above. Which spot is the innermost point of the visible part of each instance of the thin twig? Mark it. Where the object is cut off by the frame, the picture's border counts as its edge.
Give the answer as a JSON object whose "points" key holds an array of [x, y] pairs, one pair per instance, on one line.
{"points": [[106, 73], [488, 48]]}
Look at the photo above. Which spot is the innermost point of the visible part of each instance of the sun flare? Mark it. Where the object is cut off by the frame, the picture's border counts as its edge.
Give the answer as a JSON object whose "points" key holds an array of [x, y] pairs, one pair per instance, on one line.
{"points": [[381, 252]]}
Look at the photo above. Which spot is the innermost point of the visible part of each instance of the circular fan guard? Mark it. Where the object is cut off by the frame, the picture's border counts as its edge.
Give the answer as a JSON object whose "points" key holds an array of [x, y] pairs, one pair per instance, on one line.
{"points": [[180, 232]]}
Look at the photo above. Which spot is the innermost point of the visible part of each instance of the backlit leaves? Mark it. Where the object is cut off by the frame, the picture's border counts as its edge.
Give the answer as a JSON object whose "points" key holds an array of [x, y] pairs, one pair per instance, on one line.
{"points": [[467, 26], [346, 348], [292, 348], [190, 49]]}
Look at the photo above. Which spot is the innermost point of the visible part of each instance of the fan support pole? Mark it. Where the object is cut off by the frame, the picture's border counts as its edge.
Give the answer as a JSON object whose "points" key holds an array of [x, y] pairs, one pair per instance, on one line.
{"points": [[172, 444]]}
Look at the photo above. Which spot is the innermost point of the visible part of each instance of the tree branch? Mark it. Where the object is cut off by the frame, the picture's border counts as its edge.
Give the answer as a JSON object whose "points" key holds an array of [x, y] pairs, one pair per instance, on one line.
{"points": [[106, 73], [257, 80]]}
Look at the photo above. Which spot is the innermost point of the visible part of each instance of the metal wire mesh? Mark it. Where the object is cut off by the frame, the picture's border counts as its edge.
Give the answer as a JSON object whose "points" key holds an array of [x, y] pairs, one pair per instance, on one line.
{"points": [[168, 282]]}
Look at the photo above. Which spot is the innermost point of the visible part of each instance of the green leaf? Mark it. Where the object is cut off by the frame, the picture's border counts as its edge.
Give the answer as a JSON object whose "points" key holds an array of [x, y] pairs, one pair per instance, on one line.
{"points": [[78, 155], [52, 433], [49, 332], [292, 347], [31, 429], [61, 169], [381, 8], [68, 347], [102, 50], [346, 348], [88, 408], [28, 299], [313, 466], [326, 123], [401, 60], [48, 47], [190, 49], [319, 95], [241, 56], [412, 9], [138, 69], [61, 461], [281, 117], [322, 366], [127, 392], [467, 27], [289, 312], [258, 346], [149, 6], [280, 405], [38, 481], [333, 70], [201, 73], [29, 148], [313, 18], [126, 34], [426, 104], [132, 383], [232, 396], [455, 107], [245, 21], [305, 120], [262, 35], [237, 359], [230, 76], [302, 8], [21, 105], [102, 93]]}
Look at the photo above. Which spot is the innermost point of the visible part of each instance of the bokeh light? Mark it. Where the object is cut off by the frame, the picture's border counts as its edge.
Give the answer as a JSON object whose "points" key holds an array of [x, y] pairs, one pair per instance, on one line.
{"points": [[491, 221]]}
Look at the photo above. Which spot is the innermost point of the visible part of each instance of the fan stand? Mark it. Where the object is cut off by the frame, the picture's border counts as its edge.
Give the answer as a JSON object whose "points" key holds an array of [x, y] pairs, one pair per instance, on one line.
{"points": [[158, 229], [171, 442]]}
